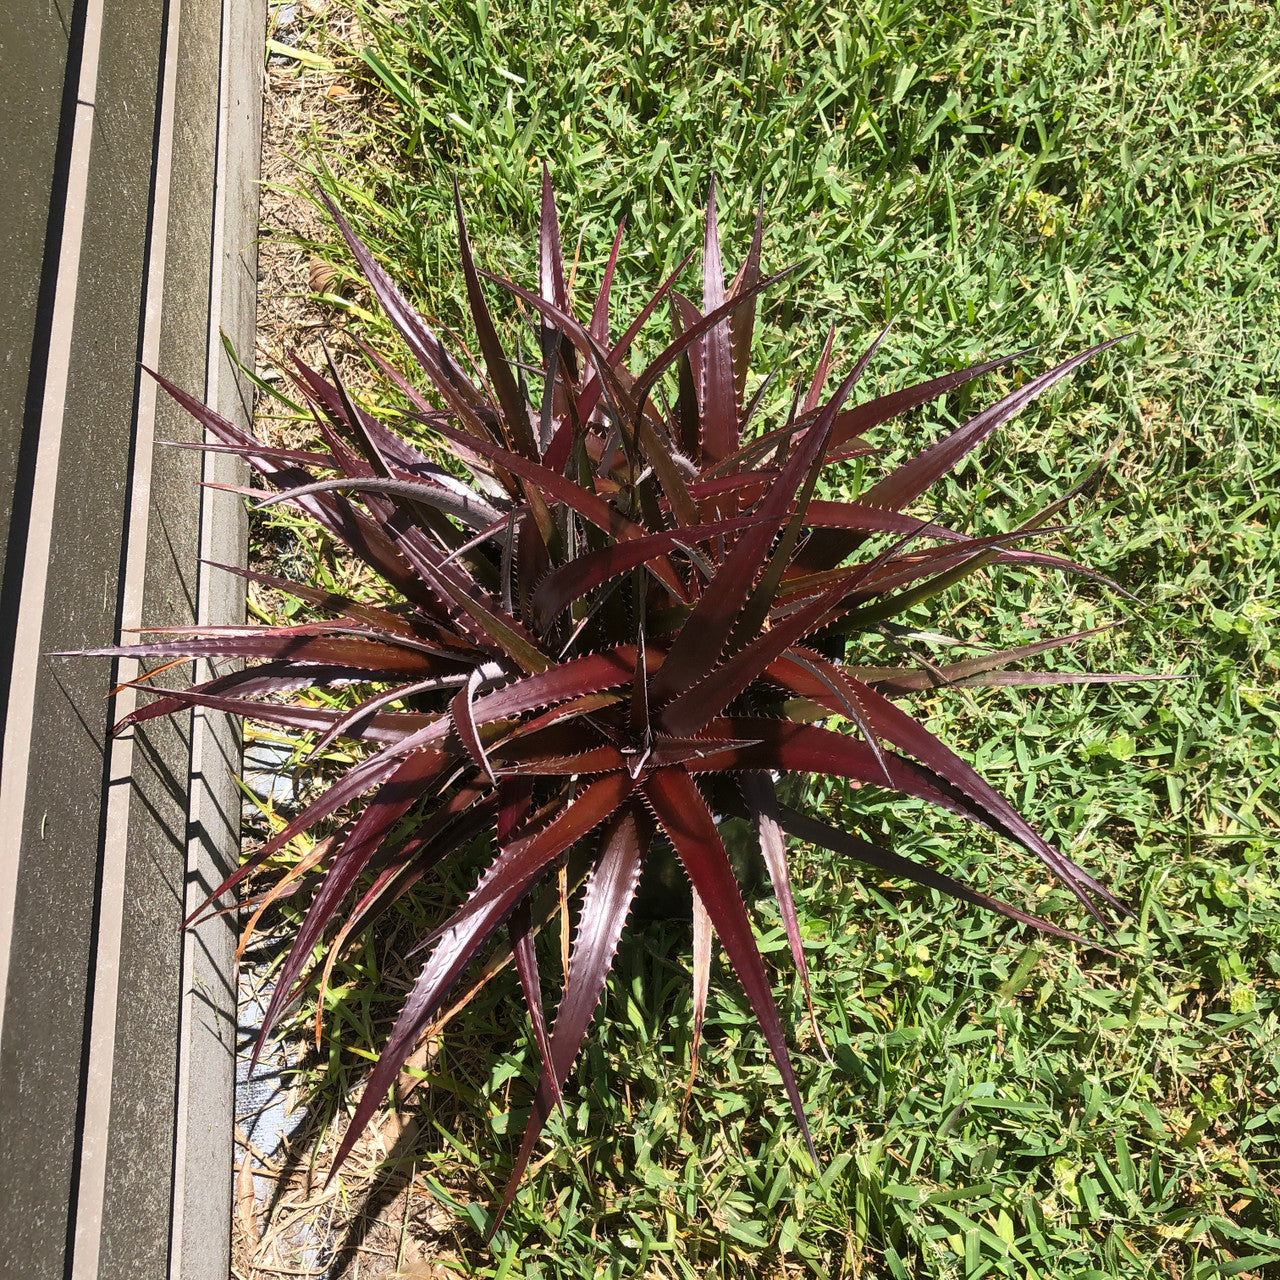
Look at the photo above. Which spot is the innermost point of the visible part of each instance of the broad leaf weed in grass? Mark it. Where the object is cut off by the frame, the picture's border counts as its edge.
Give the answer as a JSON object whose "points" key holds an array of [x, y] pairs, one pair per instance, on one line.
{"points": [[990, 179]]}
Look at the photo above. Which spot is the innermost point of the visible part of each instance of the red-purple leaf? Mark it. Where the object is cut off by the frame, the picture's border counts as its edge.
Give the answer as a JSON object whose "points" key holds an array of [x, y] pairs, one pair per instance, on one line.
{"points": [[719, 403], [842, 842], [903, 678], [402, 790], [690, 710], [525, 953], [742, 322], [625, 403], [788, 747], [274, 453], [390, 727], [550, 257], [912, 478], [579, 577], [703, 637], [369, 773], [757, 608], [685, 317], [381, 620], [656, 368], [851, 423], [358, 655], [458, 390], [762, 805], [494, 898], [683, 815], [814, 395], [464, 722], [458, 820], [701, 989], [360, 714], [599, 327], [334, 514], [582, 500], [910, 736], [610, 888], [271, 677], [515, 410]]}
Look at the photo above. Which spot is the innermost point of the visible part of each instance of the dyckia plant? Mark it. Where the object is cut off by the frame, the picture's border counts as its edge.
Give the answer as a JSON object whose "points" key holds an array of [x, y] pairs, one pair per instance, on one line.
{"points": [[629, 623]]}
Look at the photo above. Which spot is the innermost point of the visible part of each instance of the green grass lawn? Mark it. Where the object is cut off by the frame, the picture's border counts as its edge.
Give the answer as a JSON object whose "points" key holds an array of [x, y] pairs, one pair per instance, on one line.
{"points": [[991, 176]]}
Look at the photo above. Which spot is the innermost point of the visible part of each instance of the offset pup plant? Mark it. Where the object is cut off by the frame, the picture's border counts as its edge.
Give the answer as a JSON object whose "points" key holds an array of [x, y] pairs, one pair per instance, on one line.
{"points": [[628, 624]]}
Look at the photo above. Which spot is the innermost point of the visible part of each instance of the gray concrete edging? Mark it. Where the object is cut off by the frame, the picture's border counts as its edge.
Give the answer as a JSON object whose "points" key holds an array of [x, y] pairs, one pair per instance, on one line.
{"points": [[117, 1031]]}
